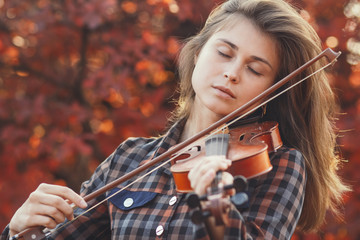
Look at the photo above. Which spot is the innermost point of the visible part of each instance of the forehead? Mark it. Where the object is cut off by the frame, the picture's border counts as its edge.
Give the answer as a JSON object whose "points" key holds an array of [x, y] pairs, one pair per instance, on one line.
{"points": [[230, 20], [248, 37], [236, 19], [241, 26]]}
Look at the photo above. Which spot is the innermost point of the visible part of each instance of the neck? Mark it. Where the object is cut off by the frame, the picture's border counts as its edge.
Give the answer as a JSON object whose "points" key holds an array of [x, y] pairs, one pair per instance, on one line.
{"points": [[196, 123]]}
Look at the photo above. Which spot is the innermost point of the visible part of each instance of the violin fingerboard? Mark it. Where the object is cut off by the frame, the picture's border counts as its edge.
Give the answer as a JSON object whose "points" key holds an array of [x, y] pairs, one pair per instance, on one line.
{"points": [[217, 145]]}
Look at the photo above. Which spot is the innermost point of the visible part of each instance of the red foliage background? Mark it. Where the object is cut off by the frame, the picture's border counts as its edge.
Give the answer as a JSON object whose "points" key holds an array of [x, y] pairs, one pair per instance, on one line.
{"points": [[77, 77]]}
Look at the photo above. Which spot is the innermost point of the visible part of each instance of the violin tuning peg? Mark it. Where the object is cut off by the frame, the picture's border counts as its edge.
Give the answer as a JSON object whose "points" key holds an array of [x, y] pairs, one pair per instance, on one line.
{"points": [[240, 184], [240, 200], [193, 200]]}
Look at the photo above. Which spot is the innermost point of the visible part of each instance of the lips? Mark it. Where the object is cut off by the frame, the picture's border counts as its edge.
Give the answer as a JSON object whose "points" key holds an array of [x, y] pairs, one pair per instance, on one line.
{"points": [[225, 91]]}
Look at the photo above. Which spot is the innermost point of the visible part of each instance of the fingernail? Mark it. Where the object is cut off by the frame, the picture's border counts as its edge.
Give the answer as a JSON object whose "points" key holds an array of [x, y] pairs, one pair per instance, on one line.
{"points": [[83, 204]]}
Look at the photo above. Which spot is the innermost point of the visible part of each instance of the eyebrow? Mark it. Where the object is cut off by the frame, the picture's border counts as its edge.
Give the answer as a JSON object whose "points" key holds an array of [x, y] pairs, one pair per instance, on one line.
{"points": [[234, 47]]}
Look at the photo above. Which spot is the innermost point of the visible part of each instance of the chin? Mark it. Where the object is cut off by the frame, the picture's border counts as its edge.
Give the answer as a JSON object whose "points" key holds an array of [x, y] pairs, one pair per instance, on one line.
{"points": [[221, 112]]}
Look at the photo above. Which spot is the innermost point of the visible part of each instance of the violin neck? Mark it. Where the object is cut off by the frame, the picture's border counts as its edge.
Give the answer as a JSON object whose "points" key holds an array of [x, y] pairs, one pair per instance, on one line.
{"points": [[217, 145]]}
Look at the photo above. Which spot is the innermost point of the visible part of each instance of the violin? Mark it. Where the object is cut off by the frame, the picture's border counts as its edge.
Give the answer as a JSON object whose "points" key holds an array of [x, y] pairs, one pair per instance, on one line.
{"points": [[247, 147], [37, 233]]}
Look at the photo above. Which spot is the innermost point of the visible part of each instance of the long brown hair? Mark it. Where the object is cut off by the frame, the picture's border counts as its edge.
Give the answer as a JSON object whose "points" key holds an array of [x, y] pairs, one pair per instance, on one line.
{"points": [[305, 114]]}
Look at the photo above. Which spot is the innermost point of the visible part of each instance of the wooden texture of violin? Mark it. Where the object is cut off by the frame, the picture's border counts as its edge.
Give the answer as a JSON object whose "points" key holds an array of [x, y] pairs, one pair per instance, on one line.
{"points": [[249, 148]]}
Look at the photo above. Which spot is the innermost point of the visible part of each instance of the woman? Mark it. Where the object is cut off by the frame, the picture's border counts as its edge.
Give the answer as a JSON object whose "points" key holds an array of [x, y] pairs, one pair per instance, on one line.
{"points": [[244, 48]]}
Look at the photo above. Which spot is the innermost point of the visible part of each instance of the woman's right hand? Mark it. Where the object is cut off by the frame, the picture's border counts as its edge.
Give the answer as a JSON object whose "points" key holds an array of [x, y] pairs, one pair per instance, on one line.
{"points": [[46, 206]]}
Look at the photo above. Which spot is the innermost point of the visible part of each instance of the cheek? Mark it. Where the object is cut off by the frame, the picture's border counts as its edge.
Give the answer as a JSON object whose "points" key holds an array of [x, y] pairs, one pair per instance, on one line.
{"points": [[194, 77], [257, 90], [251, 90], [199, 77]]}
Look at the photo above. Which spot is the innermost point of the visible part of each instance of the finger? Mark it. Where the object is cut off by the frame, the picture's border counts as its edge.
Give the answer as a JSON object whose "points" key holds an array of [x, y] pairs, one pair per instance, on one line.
{"points": [[203, 173], [199, 172], [38, 200], [215, 165], [224, 163], [202, 167], [204, 181], [227, 178], [64, 192], [41, 220], [53, 213], [217, 162], [58, 203]]}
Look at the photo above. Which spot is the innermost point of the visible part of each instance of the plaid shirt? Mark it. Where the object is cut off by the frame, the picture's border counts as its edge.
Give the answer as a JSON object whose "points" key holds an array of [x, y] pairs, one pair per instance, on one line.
{"points": [[152, 208]]}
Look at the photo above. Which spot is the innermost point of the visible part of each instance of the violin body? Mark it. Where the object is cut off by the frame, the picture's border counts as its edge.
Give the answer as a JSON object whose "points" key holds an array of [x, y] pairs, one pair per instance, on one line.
{"points": [[248, 148]]}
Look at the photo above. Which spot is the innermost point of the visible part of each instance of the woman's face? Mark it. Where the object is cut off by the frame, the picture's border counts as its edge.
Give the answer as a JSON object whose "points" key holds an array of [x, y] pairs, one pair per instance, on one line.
{"points": [[236, 64]]}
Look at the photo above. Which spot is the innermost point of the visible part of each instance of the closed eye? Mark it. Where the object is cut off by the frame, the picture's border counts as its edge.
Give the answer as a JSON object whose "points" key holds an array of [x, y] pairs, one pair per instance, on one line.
{"points": [[253, 71], [223, 54]]}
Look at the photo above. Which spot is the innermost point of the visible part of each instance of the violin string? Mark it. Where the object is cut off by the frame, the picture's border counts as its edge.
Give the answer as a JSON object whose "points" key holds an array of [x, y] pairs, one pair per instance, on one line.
{"points": [[184, 150], [223, 153]]}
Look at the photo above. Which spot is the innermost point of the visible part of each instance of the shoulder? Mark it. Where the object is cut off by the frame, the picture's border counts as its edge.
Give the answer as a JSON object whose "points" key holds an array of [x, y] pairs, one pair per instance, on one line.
{"points": [[288, 160], [288, 153], [288, 174], [137, 143], [133, 151]]}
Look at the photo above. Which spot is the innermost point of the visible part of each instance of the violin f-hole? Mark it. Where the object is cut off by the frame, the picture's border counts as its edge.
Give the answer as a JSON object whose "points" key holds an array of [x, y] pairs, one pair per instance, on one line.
{"points": [[242, 137]]}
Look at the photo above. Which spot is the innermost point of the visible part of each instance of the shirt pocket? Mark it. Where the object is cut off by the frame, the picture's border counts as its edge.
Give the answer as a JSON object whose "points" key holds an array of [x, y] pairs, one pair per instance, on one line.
{"points": [[127, 200]]}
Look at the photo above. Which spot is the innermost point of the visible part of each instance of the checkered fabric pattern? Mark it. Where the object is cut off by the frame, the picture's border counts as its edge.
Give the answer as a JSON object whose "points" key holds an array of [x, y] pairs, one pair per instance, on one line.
{"points": [[152, 209]]}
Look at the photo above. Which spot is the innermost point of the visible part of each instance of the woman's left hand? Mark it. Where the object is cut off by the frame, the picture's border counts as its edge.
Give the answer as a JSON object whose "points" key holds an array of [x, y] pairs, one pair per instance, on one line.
{"points": [[203, 173]]}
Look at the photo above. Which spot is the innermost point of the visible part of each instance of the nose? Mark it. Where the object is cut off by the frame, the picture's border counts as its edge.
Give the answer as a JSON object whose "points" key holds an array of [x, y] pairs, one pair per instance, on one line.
{"points": [[232, 70], [231, 77]]}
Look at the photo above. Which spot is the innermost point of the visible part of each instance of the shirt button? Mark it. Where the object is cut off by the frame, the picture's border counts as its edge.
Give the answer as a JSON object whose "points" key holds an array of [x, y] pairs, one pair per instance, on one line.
{"points": [[173, 200], [159, 230], [128, 202]]}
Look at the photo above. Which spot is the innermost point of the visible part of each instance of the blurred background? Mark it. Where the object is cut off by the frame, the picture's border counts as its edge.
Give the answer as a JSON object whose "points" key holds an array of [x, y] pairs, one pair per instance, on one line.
{"points": [[77, 77]]}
